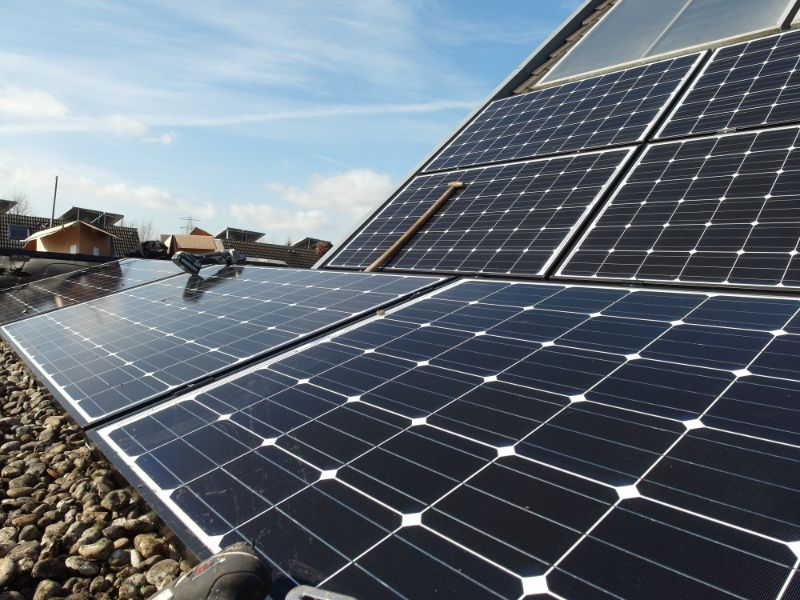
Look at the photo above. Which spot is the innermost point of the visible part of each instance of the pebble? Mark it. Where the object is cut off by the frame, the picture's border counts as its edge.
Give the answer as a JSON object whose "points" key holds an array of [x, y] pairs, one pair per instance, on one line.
{"points": [[99, 550], [28, 533], [115, 500], [49, 568], [162, 573], [8, 568], [82, 566], [47, 589], [148, 545]]}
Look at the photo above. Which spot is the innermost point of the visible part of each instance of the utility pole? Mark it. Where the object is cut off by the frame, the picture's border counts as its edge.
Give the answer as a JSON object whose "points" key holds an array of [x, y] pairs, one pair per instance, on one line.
{"points": [[53, 213]]}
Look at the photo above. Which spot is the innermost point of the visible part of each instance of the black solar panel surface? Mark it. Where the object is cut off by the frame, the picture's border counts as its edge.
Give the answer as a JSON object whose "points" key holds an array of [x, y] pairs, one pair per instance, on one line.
{"points": [[612, 109], [510, 218], [501, 440], [78, 286], [747, 85], [117, 352], [716, 210]]}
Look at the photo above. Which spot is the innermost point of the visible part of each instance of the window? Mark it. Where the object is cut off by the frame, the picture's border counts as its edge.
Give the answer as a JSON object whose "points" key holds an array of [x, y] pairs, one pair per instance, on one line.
{"points": [[18, 232], [639, 29]]}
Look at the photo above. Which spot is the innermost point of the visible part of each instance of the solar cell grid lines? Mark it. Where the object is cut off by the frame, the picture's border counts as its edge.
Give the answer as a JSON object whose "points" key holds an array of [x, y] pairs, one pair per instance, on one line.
{"points": [[415, 453], [511, 218], [746, 85], [114, 353], [66, 289], [721, 210], [612, 109]]}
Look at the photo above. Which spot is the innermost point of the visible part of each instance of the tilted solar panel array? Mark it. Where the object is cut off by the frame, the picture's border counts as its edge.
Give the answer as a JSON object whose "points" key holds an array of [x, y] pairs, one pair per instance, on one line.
{"points": [[117, 352], [716, 210], [52, 293], [613, 109], [743, 86], [510, 218], [507, 235], [497, 440]]}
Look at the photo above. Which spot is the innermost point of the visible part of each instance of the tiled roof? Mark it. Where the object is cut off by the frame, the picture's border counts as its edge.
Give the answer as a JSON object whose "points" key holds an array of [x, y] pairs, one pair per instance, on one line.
{"points": [[126, 240], [293, 257]]}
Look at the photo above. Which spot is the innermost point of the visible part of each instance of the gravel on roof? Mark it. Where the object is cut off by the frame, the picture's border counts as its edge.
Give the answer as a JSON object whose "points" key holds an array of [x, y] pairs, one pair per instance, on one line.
{"points": [[68, 528]]}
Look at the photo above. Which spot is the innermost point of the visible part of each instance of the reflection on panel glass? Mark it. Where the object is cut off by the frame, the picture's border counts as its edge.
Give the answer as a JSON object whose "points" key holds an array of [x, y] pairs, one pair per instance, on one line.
{"points": [[113, 353], [638, 29]]}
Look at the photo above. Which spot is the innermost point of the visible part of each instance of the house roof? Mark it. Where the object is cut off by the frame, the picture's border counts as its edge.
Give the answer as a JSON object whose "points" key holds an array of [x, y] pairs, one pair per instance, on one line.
{"points": [[198, 231], [242, 235], [309, 243], [6, 205], [293, 257], [89, 215], [63, 226]]}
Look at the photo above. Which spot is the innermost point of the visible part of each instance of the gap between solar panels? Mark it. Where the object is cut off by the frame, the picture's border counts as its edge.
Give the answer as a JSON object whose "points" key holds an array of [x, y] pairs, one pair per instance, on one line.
{"points": [[116, 354], [618, 424]]}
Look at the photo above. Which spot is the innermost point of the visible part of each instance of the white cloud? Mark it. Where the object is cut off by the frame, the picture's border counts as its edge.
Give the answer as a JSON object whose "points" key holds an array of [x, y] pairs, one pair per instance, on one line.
{"points": [[352, 192], [327, 206], [279, 220], [17, 102], [165, 139], [124, 126]]}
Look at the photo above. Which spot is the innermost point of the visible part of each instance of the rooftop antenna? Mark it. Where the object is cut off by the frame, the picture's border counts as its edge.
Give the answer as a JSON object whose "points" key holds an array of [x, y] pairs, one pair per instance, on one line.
{"points": [[189, 224], [55, 193]]}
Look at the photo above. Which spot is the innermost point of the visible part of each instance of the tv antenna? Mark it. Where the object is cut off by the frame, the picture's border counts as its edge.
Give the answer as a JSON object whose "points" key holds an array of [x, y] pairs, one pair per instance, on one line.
{"points": [[190, 223]]}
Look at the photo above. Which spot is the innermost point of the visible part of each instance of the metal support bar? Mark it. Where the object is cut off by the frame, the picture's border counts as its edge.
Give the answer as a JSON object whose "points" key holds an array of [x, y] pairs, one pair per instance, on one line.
{"points": [[403, 240]]}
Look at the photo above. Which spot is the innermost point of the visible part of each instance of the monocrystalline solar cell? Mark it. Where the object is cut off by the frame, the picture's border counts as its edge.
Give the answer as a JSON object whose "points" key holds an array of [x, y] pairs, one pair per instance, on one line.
{"points": [[746, 85], [511, 218], [612, 109], [51, 293], [114, 353], [495, 439], [717, 210]]}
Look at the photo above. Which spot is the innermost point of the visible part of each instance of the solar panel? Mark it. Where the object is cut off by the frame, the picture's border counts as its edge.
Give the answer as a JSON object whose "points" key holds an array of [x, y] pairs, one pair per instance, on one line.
{"points": [[501, 440], [743, 86], [117, 352], [612, 109], [717, 210], [51, 293], [511, 218]]}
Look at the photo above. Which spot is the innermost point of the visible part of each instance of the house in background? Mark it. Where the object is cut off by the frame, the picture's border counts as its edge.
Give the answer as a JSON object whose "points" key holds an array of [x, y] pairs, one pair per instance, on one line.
{"points": [[246, 241], [16, 229]]}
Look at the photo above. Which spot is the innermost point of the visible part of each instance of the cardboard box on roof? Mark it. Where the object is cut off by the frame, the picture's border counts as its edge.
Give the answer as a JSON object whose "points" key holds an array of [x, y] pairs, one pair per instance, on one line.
{"points": [[193, 244], [75, 237]]}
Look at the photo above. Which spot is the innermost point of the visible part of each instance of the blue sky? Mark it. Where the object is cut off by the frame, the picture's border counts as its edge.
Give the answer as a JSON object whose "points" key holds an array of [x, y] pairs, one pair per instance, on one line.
{"points": [[293, 117]]}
